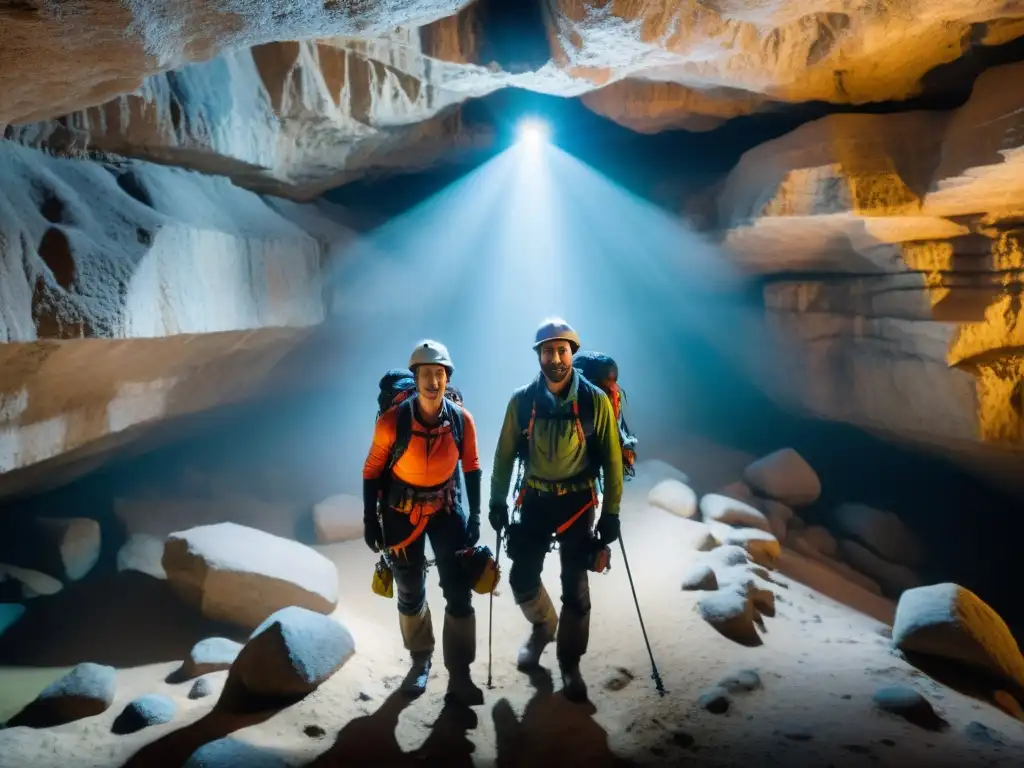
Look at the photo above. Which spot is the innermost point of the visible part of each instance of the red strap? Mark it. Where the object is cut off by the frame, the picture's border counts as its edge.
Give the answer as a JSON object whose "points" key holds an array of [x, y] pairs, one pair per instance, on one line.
{"points": [[616, 398], [399, 549], [591, 503]]}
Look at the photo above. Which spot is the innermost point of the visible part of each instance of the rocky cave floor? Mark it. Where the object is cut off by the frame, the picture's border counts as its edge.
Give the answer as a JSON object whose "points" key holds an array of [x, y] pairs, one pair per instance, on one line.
{"points": [[760, 669]]}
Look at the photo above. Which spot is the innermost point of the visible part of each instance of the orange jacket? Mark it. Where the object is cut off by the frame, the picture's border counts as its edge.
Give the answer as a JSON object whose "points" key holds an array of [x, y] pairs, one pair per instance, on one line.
{"points": [[432, 455]]}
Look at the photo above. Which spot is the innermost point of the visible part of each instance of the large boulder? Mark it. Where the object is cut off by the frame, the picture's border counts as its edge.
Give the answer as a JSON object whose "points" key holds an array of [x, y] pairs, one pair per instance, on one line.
{"points": [[338, 518], [86, 690], [240, 575], [784, 476], [291, 654], [675, 497], [882, 532], [952, 623], [717, 508]]}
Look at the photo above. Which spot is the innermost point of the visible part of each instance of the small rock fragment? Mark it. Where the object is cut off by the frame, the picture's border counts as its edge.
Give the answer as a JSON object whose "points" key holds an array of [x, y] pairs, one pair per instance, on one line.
{"points": [[202, 687], [714, 700], [731, 612], [210, 655], [909, 704], [700, 577], [727, 555], [981, 733], [151, 709], [763, 548], [744, 681]]}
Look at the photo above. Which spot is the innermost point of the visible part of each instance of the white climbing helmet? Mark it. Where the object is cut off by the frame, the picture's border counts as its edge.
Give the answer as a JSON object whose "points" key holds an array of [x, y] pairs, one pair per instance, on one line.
{"points": [[430, 352], [556, 329]]}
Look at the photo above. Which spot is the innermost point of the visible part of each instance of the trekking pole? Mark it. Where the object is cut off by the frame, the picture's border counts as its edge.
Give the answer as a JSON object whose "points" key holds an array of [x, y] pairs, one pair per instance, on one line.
{"points": [[490, 618], [654, 667]]}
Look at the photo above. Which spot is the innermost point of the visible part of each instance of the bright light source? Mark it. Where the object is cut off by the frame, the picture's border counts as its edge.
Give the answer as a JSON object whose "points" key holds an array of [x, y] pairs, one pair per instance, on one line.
{"points": [[533, 132]]}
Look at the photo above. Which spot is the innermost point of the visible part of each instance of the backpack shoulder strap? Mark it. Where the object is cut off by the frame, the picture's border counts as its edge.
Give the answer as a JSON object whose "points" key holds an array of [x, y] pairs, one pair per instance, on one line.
{"points": [[586, 394], [403, 432], [455, 414], [524, 397]]}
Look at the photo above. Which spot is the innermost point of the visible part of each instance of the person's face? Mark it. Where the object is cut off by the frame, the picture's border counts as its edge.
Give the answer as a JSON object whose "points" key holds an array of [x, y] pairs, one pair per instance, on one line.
{"points": [[431, 381], [556, 360]]}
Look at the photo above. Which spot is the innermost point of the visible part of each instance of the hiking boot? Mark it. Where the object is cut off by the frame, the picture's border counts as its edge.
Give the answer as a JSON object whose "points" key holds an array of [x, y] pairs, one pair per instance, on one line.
{"points": [[415, 683], [541, 613], [458, 641], [573, 685], [418, 637], [573, 638]]}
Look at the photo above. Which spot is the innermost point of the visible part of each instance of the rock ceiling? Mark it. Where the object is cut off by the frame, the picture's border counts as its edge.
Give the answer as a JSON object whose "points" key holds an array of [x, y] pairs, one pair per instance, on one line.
{"points": [[223, 86]]}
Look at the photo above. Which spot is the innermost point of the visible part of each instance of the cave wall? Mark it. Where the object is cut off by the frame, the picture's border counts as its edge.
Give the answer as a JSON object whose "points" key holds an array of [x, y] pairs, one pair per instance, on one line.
{"points": [[889, 248], [132, 293]]}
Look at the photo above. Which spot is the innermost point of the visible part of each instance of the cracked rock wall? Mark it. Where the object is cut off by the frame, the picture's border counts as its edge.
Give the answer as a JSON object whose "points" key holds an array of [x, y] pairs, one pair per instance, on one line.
{"points": [[892, 250], [131, 294]]}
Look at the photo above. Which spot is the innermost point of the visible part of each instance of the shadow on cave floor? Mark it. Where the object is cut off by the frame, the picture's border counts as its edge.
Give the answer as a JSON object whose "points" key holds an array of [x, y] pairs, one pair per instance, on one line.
{"points": [[124, 620], [551, 731]]}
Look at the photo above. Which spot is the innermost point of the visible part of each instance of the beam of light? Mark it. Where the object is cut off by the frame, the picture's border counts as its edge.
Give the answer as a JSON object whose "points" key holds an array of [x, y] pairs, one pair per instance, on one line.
{"points": [[535, 232]]}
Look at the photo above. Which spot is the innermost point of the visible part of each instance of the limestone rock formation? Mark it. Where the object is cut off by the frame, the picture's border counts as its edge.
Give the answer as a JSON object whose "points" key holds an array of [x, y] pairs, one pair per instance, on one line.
{"points": [[240, 575], [265, 97], [114, 256], [952, 623], [889, 244]]}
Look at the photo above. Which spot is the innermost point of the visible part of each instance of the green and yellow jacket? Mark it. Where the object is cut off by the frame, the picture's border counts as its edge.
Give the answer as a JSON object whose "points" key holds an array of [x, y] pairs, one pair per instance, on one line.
{"points": [[556, 452]]}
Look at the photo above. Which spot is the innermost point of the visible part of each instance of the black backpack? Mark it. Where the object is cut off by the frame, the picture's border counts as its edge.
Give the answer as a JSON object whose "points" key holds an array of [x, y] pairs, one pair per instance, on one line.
{"points": [[603, 371]]}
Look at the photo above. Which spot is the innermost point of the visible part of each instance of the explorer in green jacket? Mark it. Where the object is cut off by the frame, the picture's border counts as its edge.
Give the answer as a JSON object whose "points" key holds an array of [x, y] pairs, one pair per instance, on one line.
{"points": [[563, 430]]}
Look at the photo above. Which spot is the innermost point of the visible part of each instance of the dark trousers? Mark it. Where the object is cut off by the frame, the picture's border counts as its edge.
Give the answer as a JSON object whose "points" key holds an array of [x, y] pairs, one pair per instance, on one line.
{"points": [[447, 533], [530, 540]]}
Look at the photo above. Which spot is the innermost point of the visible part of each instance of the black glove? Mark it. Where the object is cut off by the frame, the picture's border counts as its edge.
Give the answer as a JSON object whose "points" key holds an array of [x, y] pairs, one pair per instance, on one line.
{"points": [[608, 528], [371, 526], [473, 497], [498, 517]]}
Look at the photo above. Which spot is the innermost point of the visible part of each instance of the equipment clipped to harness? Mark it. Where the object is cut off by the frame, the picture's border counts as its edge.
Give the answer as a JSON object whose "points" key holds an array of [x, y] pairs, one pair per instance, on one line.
{"points": [[383, 579], [600, 558], [481, 568]]}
